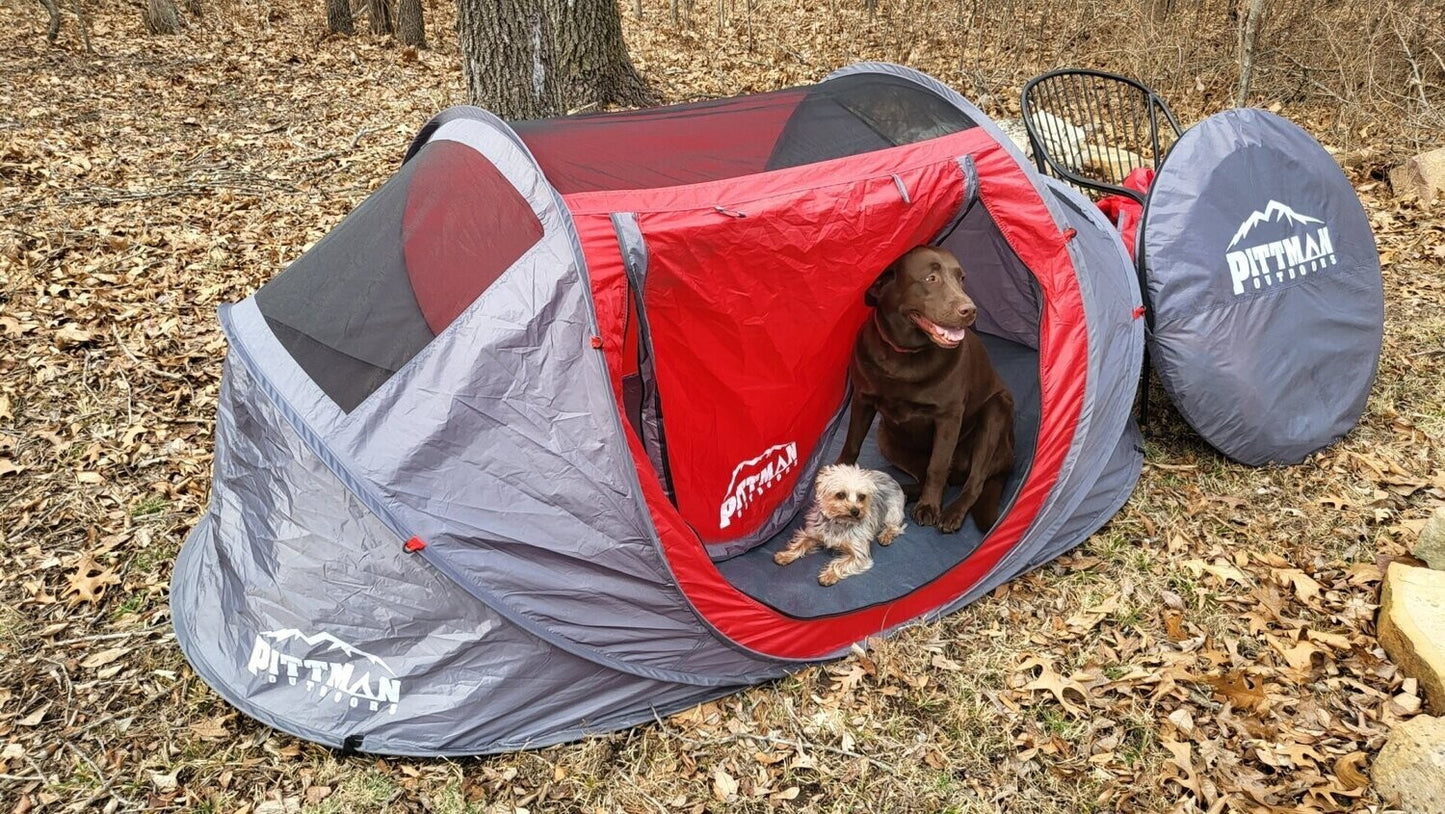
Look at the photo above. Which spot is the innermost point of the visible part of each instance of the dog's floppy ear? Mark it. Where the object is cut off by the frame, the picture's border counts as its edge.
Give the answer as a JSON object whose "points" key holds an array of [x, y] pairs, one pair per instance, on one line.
{"points": [[870, 297]]}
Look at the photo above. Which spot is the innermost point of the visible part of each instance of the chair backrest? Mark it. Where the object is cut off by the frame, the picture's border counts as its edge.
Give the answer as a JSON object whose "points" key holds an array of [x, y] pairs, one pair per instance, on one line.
{"points": [[1092, 128]]}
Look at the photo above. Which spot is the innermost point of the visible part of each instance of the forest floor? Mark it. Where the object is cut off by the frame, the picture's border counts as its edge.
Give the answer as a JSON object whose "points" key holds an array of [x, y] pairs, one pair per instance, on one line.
{"points": [[1211, 648]]}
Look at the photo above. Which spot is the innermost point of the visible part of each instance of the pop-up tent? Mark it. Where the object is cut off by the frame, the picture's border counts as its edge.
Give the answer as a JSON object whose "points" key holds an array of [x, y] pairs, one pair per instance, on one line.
{"points": [[504, 458]]}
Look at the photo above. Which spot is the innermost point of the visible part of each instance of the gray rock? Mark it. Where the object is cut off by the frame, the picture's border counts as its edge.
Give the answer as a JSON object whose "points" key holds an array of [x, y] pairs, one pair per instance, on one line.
{"points": [[1431, 546], [1422, 176], [1409, 772], [1411, 627]]}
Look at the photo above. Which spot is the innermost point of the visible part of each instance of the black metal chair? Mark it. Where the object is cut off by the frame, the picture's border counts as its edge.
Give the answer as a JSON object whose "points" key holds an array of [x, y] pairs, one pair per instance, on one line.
{"points": [[1092, 129]]}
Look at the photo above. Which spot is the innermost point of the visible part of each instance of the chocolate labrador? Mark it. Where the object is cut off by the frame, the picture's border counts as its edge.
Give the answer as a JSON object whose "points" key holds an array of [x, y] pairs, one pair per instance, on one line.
{"points": [[947, 417]]}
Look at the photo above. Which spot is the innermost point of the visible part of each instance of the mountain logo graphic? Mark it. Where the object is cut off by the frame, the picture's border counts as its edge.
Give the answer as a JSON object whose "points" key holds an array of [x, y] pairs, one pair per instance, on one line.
{"points": [[755, 476], [1276, 245], [280, 636], [308, 664]]}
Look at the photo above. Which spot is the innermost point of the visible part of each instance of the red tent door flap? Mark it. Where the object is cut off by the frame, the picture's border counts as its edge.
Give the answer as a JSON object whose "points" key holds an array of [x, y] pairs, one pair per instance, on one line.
{"points": [[753, 307]]}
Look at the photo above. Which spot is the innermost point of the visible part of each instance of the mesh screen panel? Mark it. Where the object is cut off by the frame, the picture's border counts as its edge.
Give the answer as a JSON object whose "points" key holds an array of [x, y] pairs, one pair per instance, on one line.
{"points": [[398, 270], [726, 138]]}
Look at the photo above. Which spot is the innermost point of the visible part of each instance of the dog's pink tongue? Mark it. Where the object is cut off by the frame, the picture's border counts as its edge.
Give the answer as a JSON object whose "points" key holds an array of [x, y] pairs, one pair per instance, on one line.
{"points": [[953, 334]]}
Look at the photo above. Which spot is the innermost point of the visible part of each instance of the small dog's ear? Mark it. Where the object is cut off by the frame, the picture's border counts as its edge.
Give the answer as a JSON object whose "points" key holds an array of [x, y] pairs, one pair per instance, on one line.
{"points": [[870, 297]]}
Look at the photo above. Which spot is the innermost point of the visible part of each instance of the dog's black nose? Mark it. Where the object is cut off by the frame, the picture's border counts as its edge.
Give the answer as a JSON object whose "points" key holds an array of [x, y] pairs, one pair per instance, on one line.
{"points": [[855, 511]]}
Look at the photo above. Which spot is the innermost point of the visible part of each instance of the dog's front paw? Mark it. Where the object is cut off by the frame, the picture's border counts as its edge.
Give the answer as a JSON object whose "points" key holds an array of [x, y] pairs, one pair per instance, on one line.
{"points": [[952, 520], [926, 513], [828, 577]]}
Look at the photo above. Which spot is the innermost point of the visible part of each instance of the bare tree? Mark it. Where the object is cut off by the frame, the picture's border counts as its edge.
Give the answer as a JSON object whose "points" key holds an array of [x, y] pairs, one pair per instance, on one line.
{"points": [[534, 58], [54, 12], [380, 13], [162, 17], [338, 17], [410, 27], [84, 26], [1246, 50]]}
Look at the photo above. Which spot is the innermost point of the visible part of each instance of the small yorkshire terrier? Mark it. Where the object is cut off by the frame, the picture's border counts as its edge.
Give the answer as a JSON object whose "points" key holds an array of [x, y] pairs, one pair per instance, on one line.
{"points": [[852, 507]]}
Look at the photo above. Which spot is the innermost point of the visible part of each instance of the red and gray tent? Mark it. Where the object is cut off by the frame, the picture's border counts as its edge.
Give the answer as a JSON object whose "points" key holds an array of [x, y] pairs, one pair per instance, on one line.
{"points": [[503, 459]]}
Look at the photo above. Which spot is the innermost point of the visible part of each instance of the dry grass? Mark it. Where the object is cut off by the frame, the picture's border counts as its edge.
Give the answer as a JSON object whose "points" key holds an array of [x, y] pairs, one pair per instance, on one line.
{"points": [[141, 188]]}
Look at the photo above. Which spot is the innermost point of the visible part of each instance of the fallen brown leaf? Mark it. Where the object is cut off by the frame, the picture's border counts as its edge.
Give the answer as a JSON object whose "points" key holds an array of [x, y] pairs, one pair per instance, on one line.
{"points": [[1235, 687], [103, 657]]}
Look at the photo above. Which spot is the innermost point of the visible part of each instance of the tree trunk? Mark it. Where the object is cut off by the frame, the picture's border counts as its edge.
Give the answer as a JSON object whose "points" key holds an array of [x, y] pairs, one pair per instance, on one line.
{"points": [[162, 17], [410, 27], [528, 59], [54, 12], [338, 17], [1246, 51], [380, 13], [84, 26]]}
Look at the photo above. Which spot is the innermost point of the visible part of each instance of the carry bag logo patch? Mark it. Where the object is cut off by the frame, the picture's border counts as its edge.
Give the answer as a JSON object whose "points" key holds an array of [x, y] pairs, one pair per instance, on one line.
{"points": [[1277, 245], [362, 678]]}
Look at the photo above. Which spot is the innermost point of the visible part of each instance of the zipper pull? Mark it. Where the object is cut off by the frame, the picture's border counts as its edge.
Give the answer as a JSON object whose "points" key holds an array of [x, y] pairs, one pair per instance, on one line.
{"points": [[732, 213]]}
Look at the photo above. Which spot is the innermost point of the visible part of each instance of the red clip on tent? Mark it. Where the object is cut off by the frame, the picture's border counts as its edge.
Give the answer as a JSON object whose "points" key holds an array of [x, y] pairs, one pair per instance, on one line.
{"points": [[503, 460]]}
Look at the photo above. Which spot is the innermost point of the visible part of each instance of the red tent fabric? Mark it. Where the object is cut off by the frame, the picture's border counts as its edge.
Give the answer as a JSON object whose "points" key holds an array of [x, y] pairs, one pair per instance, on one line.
{"points": [[731, 248], [1125, 212]]}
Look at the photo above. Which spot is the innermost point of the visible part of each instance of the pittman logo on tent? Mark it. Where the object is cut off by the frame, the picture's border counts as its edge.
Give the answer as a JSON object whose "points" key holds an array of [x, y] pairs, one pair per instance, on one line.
{"points": [[338, 679], [755, 476], [1288, 245]]}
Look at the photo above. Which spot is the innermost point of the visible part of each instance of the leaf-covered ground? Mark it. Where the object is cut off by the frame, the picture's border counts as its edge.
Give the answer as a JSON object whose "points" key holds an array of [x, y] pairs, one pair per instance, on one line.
{"points": [[1212, 648]]}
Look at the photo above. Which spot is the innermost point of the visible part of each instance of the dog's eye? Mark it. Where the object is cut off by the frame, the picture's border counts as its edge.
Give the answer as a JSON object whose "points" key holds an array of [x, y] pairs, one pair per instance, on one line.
{"points": [[841, 495], [932, 278]]}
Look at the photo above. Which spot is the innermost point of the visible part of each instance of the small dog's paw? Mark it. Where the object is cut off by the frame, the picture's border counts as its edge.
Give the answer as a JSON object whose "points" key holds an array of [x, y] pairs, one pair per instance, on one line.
{"points": [[890, 534], [952, 521], [828, 577], [926, 514], [792, 553]]}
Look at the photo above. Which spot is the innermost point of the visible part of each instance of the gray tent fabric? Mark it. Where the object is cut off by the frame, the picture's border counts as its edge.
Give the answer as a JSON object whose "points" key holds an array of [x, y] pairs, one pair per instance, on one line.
{"points": [[1264, 286], [324, 626], [446, 546]]}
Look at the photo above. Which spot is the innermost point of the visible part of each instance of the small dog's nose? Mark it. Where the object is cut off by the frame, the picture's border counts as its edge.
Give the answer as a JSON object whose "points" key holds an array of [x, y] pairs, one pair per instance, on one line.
{"points": [[855, 511]]}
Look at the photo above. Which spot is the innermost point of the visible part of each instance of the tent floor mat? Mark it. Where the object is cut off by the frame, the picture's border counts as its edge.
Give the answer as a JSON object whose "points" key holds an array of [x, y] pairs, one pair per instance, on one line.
{"points": [[914, 559]]}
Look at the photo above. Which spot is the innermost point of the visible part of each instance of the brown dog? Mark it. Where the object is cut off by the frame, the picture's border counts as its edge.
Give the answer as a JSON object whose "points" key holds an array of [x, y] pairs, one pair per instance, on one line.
{"points": [[947, 417]]}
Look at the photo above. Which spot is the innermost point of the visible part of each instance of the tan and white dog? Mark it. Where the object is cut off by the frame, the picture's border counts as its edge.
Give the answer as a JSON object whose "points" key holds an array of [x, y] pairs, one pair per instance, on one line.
{"points": [[852, 507]]}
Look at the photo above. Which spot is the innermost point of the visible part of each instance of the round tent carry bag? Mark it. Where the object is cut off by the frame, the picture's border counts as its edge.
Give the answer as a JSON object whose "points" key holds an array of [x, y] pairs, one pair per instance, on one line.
{"points": [[1264, 286]]}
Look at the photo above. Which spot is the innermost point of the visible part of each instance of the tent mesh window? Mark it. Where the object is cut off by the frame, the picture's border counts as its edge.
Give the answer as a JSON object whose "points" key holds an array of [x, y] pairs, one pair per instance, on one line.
{"points": [[726, 138], [357, 309]]}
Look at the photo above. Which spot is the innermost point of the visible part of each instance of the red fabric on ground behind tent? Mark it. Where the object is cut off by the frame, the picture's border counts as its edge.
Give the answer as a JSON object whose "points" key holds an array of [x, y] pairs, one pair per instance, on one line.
{"points": [[1125, 212], [1028, 227]]}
